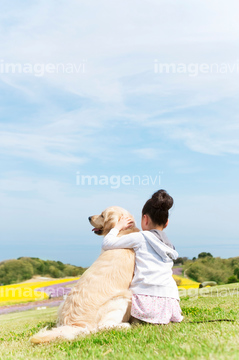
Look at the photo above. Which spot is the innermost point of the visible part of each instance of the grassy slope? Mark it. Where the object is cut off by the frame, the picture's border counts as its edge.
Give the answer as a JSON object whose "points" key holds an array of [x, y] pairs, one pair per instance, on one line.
{"points": [[212, 340]]}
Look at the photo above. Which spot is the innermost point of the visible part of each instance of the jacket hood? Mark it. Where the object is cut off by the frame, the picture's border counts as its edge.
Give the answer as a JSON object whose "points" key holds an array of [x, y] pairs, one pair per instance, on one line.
{"points": [[159, 241]]}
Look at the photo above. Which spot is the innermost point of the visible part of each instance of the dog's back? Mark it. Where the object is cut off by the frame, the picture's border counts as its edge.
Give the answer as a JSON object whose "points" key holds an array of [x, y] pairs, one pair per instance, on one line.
{"points": [[107, 278]]}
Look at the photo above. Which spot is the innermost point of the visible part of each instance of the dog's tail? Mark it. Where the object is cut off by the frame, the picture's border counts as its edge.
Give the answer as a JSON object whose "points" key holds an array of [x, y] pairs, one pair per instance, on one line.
{"points": [[64, 332]]}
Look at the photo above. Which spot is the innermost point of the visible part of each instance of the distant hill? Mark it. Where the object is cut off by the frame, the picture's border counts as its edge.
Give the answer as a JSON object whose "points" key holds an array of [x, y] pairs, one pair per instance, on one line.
{"points": [[24, 268], [209, 268]]}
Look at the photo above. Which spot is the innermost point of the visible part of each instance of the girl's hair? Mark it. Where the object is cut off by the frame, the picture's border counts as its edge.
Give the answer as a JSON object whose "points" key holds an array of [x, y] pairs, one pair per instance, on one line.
{"points": [[158, 206]]}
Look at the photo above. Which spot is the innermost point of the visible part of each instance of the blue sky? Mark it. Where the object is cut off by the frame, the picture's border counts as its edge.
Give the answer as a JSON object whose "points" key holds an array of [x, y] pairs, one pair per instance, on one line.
{"points": [[116, 116]]}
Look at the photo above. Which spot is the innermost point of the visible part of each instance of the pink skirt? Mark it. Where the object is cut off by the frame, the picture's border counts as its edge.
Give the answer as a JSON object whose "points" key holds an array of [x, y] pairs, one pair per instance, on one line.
{"points": [[156, 310]]}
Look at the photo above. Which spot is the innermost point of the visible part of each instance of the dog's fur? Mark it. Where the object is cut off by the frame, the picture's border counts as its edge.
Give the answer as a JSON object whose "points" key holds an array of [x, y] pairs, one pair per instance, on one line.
{"points": [[101, 298]]}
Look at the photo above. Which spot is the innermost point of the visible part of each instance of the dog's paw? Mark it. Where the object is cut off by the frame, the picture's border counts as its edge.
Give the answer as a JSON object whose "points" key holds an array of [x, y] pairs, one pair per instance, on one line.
{"points": [[124, 326], [113, 325]]}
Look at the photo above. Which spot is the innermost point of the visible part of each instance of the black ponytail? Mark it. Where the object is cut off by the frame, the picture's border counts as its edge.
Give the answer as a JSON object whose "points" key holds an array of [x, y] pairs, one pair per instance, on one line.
{"points": [[158, 206]]}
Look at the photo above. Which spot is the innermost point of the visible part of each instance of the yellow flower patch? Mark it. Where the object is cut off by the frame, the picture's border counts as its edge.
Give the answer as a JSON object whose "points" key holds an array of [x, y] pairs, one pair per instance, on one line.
{"points": [[184, 283], [27, 291]]}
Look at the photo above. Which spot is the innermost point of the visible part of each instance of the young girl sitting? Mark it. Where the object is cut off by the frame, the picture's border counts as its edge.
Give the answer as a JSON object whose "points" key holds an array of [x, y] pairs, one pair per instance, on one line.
{"points": [[155, 294]]}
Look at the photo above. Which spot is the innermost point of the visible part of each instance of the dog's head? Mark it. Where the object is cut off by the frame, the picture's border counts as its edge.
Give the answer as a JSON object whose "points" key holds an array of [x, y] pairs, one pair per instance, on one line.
{"points": [[104, 222]]}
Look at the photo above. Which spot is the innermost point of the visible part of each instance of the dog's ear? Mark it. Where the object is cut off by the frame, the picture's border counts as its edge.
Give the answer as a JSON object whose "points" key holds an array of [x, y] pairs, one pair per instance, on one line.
{"points": [[110, 220]]}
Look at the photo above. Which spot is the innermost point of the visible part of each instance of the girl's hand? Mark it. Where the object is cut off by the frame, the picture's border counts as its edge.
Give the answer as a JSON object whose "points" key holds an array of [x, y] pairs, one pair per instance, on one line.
{"points": [[124, 223]]}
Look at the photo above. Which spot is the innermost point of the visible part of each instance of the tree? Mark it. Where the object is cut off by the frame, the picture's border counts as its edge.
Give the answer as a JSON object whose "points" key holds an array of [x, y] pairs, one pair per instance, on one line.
{"points": [[178, 261], [236, 272], [54, 272], [204, 254], [232, 279]]}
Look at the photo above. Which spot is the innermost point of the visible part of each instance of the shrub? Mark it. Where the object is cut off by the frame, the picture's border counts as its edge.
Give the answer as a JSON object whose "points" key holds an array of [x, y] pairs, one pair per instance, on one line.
{"points": [[232, 279]]}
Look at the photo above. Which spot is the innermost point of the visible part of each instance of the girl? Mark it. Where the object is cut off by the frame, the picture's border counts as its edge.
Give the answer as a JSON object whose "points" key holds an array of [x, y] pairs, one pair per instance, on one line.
{"points": [[155, 294]]}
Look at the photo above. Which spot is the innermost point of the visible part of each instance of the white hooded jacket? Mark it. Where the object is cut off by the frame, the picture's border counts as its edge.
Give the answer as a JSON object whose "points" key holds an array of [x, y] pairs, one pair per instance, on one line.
{"points": [[154, 257]]}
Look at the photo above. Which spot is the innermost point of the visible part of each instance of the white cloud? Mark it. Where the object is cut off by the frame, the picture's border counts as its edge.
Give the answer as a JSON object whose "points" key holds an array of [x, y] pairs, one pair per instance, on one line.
{"points": [[38, 147], [215, 136], [119, 46], [73, 137]]}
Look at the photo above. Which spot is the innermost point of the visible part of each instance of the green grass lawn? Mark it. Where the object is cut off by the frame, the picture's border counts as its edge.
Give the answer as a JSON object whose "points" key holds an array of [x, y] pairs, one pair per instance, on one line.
{"points": [[194, 338]]}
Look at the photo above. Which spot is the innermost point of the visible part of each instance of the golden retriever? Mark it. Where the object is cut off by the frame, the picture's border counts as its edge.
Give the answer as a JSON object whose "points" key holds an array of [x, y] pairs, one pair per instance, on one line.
{"points": [[101, 298]]}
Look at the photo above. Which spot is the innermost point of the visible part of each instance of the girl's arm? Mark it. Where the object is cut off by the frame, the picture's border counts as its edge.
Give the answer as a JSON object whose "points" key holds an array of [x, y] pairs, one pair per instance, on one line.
{"points": [[130, 241]]}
